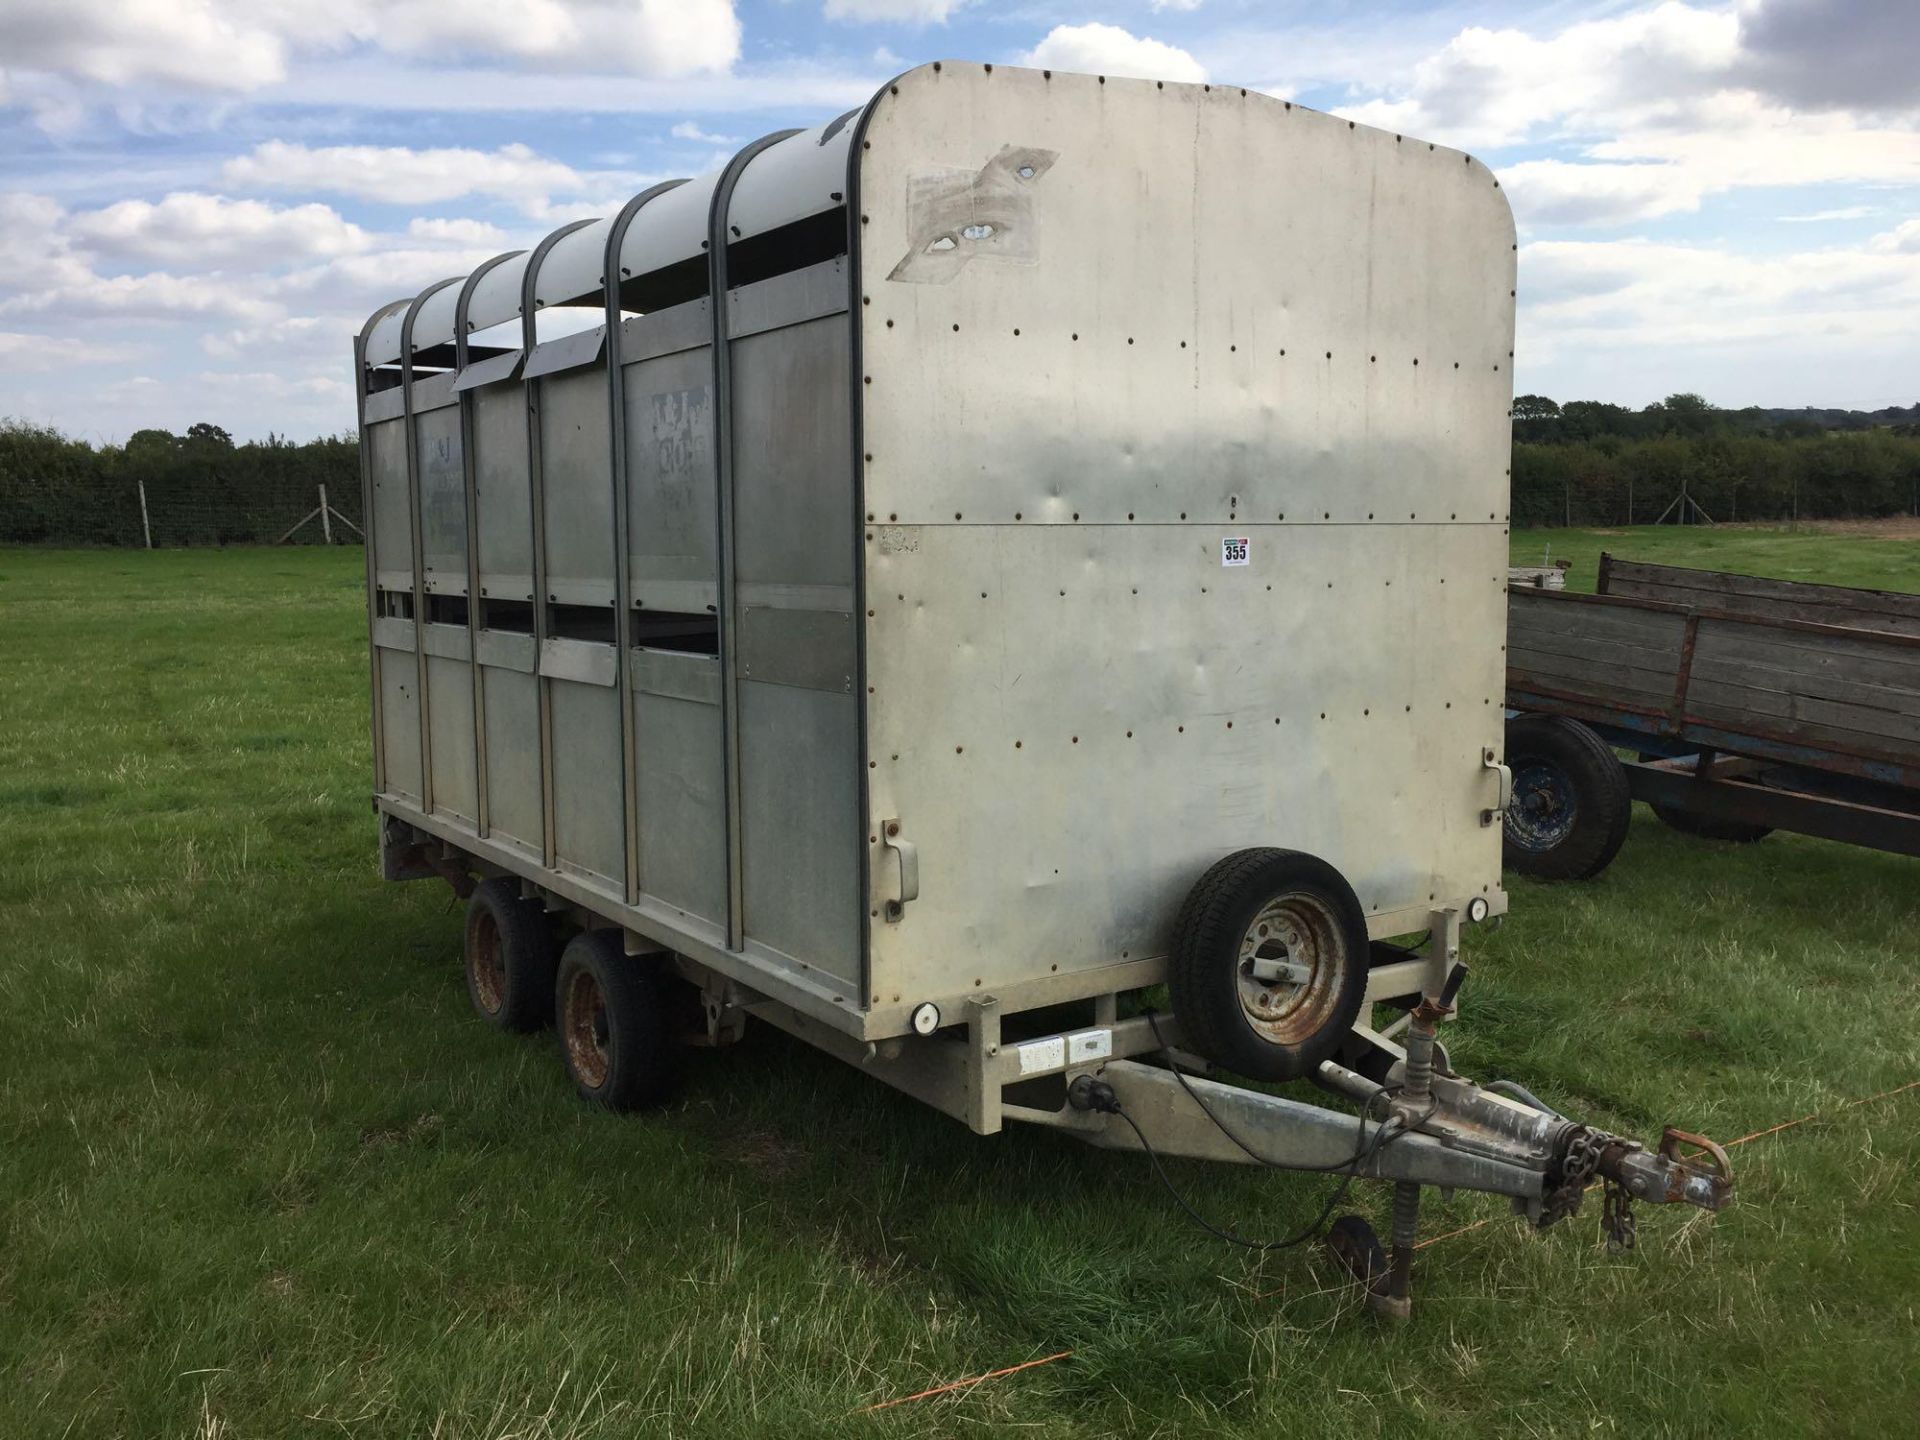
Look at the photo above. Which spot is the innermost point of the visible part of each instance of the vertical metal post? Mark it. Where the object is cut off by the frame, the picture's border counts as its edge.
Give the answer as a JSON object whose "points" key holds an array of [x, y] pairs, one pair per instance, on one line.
{"points": [[369, 534], [611, 275], [717, 238], [409, 433], [146, 527], [326, 516], [537, 497], [983, 1049], [470, 481]]}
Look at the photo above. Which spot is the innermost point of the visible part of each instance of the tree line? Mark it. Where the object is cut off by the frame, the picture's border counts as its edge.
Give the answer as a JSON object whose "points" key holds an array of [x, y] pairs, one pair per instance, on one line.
{"points": [[1584, 462], [198, 488], [1590, 463]]}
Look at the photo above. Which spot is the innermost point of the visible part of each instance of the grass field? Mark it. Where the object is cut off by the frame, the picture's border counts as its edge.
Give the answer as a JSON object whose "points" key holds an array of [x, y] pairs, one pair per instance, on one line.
{"points": [[262, 1173]]}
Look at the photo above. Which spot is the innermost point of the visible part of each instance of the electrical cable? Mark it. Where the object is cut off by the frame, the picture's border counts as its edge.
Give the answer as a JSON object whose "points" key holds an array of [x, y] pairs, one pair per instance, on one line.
{"points": [[1384, 1134], [1344, 1166]]}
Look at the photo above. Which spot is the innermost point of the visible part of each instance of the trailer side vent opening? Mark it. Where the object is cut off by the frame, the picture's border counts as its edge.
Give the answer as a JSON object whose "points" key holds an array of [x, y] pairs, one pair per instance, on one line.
{"points": [[906, 588]]}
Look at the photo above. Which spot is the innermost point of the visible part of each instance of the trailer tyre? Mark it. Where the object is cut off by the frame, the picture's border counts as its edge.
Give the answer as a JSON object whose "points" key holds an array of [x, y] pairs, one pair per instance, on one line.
{"points": [[611, 1012], [509, 957], [1269, 963], [1570, 806]]}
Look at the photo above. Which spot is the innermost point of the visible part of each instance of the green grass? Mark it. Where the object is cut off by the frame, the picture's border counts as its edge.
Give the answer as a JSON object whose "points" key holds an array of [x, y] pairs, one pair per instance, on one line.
{"points": [[1886, 561], [261, 1172]]}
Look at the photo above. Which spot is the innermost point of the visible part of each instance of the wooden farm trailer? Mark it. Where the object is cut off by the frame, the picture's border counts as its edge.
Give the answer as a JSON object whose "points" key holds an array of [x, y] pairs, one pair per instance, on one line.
{"points": [[1752, 705]]}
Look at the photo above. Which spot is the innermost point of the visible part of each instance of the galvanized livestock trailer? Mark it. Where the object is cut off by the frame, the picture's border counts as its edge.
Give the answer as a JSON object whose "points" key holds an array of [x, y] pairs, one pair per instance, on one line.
{"points": [[1752, 705], [1029, 540]]}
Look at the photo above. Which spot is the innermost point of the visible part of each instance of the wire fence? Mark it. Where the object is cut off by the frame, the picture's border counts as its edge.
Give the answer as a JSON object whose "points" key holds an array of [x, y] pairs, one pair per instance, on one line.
{"points": [[162, 490]]}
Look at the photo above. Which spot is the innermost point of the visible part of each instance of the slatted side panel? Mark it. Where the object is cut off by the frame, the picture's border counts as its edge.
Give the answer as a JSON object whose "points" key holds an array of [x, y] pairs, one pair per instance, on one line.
{"points": [[1765, 599], [1615, 655], [1859, 695]]}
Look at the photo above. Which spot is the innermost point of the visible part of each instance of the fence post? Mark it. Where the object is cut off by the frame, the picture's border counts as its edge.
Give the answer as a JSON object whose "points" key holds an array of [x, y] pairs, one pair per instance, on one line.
{"points": [[326, 516], [146, 527]]}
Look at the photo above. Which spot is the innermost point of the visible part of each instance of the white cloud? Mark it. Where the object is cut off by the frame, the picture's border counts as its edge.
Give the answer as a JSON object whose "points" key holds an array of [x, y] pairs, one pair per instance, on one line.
{"points": [[658, 38], [461, 233], [916, 12], [397, 175], [1497, 87], [1845, 212], [1097, 49], [1559, 192], [200, 43], [1903, 239], [1176, 4], [1664, 106], [688, 130], [211, 230], [245, 45], [24, 354], [1640, 293]]}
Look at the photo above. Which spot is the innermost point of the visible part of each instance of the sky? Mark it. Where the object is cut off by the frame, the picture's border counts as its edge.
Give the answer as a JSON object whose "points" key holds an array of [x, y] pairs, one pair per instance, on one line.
{"points": [[201, 200]]}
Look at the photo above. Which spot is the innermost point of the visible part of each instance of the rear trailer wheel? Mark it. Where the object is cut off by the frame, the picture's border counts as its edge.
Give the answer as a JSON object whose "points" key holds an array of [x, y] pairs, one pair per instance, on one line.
{"points": [[1570, 805], [610, 1009], [1357, 1249], [1269, 963], [1708, 827], [509, 957]]}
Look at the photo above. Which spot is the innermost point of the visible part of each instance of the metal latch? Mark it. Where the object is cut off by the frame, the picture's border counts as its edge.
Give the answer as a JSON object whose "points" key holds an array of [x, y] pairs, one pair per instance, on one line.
{"points": [[1490, 761], [909, 869]]}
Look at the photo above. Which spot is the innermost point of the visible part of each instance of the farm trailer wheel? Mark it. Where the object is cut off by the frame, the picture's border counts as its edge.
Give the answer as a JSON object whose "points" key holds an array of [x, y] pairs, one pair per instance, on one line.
{"points": [[509, 957], [1270, 963], [613, 1014], [1570, 806]]}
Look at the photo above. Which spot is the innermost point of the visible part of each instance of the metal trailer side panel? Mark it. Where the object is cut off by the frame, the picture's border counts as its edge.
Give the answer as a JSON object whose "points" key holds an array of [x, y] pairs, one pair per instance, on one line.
{"points": [[793, 574], [443, 495], [683, 849], [500, 491], [672, 528], [504, 650], [671, 518], [578, 662], [1112, 328], [396, 661]]}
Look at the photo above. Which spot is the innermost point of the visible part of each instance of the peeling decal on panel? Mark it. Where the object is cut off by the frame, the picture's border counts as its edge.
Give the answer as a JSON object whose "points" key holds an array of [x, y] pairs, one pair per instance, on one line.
{"points": [[955, 216]]}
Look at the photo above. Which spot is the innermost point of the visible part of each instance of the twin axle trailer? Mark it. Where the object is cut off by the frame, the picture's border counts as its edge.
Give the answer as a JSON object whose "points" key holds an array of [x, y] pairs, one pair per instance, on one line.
{"points": [[1031, 540]]}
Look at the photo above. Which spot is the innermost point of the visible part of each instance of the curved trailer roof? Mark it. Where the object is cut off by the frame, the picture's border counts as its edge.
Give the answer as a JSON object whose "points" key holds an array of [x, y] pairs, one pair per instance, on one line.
{"points": [[793, 179]]}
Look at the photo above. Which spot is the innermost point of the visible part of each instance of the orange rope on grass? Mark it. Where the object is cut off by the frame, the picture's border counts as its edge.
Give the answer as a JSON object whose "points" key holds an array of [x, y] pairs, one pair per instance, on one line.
{"points": [[1789, 1124], [962, 1384]]}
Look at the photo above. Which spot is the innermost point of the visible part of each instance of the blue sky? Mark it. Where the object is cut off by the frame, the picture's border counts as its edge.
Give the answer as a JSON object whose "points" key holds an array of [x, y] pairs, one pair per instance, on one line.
{"points": [[200, 199]]}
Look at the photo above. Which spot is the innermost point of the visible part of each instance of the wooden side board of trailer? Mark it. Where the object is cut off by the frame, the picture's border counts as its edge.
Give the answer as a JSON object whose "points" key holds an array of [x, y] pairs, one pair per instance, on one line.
{"points": [[1881, 610], [1775, 688]]}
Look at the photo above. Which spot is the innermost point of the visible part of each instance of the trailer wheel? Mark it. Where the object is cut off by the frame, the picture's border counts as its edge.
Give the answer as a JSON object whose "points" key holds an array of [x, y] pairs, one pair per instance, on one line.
{"points": [[615, 1033], [1570, 805], [509, 957], [1269, 963], [1356, 1248], [1707, 827]]}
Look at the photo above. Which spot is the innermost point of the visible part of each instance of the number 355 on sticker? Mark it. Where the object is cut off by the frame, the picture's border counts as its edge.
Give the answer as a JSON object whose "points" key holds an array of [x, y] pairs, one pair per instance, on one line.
{"points": [[1235, 550]]}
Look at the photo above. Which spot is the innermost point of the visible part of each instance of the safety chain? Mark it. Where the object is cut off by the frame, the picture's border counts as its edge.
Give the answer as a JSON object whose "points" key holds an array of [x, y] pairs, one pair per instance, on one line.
{"points": [[1616, 1218], [1576, 1171]]}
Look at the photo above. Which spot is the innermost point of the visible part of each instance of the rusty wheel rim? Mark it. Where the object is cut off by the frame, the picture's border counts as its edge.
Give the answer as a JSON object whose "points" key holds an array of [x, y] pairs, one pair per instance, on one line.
{"points": [[486, 964], [583, 1026], [1288, 973]]}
